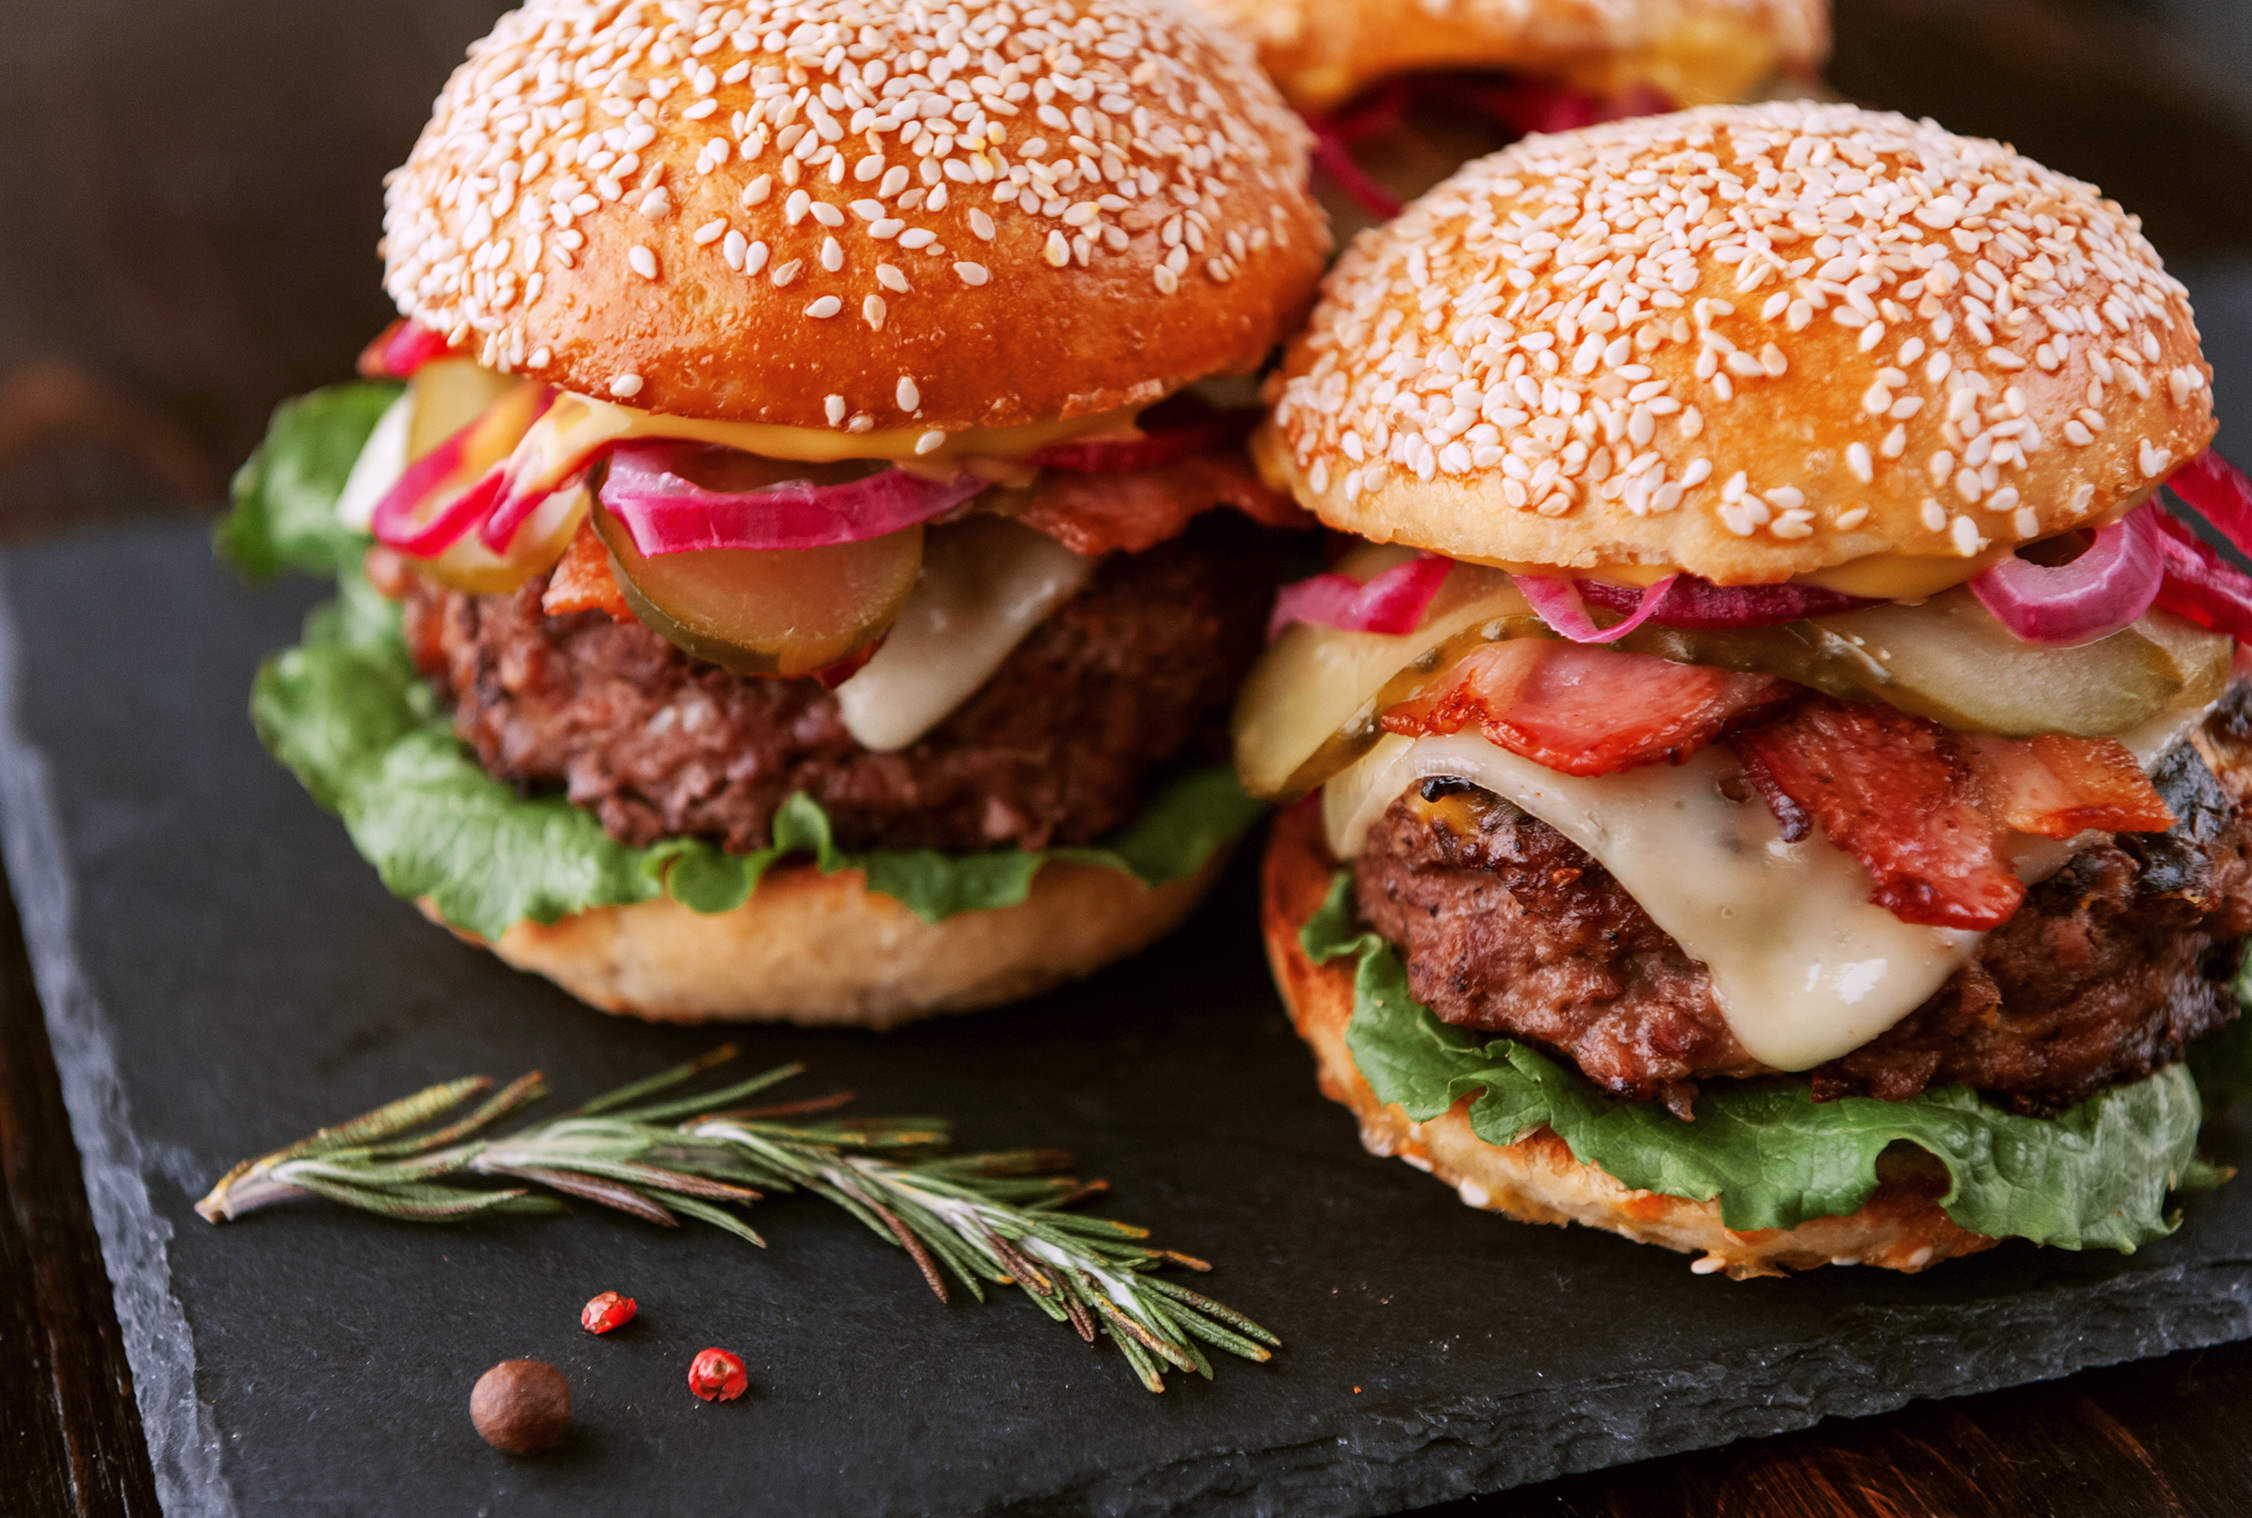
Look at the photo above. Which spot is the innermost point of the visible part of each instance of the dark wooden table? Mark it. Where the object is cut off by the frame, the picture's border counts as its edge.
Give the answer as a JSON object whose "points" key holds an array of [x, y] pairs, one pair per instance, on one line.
{"points": [[192, 207]]}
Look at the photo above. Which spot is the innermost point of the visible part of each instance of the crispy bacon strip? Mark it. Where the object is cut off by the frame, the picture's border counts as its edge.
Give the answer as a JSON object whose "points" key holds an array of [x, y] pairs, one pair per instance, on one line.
{"points": [[1586, 710], [1098, 513], [582, 580], [1898, 793], [2058, 786]]}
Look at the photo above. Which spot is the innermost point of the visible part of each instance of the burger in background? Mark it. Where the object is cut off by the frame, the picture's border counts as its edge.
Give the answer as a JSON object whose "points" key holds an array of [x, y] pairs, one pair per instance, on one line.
{"points": [[800, 587], [1400, 95], [1782, 778]]}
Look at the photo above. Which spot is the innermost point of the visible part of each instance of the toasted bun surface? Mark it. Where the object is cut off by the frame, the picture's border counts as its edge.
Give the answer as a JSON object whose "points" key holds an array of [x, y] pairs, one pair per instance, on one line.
{"points": [[1536, 1179], [821, 949], [858, 213], [1750, 342], [1323, 52]]}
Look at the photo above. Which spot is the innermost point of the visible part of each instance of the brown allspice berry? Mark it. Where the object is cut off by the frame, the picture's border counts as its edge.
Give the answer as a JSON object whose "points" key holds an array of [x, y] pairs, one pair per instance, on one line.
{"points": [[521, 1406]]}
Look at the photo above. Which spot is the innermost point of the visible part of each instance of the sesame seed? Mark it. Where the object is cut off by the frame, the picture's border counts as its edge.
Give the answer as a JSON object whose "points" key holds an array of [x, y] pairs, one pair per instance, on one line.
{"points": [[625, 386], [834, 406], [930, 441], [824, 308], [909, 395], [568, 114], [1527, 296], [873, 309]]}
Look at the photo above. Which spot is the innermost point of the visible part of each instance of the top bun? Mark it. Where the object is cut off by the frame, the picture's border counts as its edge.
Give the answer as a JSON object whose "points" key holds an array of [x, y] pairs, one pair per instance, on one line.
{"points": [[1324, 52], [867, 214], [1749, 342]]}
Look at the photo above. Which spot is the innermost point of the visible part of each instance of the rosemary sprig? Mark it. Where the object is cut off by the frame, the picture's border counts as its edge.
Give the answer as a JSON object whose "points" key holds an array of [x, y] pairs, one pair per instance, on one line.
{"points": [[975, 1220]]}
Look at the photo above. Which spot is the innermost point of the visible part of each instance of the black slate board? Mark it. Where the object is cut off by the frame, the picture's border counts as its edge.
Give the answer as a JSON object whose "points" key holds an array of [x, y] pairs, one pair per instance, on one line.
{"points": [[222, 974]]}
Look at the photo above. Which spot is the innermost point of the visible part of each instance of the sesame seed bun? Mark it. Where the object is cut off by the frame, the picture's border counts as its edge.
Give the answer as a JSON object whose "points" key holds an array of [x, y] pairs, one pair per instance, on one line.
{"points": [[1323, 52], [1536, 1179], [823, 950], [1750, 342], [895, 274]]}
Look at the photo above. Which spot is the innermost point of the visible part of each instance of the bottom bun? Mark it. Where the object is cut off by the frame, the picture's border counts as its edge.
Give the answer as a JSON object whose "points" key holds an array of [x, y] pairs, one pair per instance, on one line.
{"points": [[823, 949], [1536, 1179]]}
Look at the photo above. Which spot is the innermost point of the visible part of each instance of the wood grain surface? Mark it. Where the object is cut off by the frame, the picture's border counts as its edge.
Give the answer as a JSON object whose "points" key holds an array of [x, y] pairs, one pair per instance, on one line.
{"points": [[192, 215]]}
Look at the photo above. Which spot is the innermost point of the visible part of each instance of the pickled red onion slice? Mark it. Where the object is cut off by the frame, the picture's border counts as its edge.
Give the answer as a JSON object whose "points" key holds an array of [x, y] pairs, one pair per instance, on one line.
{"points": [[1335, 159], [1543, 105], [456, 485], [2199, 583], [1558, 602], [1393, 602], [2220, 493], [667, 513], [399, 521], [2092, 597], [400, 349], [1699, 605]]}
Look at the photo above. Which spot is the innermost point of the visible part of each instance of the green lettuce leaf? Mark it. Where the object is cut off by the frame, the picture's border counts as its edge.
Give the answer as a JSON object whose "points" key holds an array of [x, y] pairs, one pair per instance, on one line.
{"points": [[346, 712], [2094, 1176], [285, 496]]}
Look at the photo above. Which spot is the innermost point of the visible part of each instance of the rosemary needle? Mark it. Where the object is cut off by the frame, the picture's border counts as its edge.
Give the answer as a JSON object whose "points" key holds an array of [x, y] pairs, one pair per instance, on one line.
{"points": [[970, 1220]]}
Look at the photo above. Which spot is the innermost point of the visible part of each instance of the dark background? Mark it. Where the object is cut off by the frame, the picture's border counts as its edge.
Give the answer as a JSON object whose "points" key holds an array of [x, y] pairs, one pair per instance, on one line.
{"points": [[192, 194]]}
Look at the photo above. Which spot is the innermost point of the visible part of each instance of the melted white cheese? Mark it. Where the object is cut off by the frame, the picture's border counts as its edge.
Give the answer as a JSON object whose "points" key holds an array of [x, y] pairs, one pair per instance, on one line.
{"points": [[986, 582], [1804, 966]]}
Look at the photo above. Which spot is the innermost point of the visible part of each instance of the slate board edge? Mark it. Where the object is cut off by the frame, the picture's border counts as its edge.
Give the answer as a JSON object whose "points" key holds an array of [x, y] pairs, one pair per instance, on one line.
{"points": [[182, 1437], [1631, 1419]]}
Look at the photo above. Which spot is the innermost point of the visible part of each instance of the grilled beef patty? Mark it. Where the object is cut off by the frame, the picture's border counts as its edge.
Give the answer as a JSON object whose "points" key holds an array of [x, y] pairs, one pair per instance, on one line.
{"points": [[2111, 966], [1059, 747]]}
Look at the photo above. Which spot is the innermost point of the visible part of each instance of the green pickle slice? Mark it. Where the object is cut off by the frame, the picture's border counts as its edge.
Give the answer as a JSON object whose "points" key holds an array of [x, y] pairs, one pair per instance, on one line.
{"points": [[785, 612], [1311, 706]]}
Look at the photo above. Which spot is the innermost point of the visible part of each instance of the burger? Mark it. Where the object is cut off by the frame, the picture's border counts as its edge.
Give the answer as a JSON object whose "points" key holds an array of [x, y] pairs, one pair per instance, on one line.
{"points": [[783, 558], [1400, 95], [1770, 774]]}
